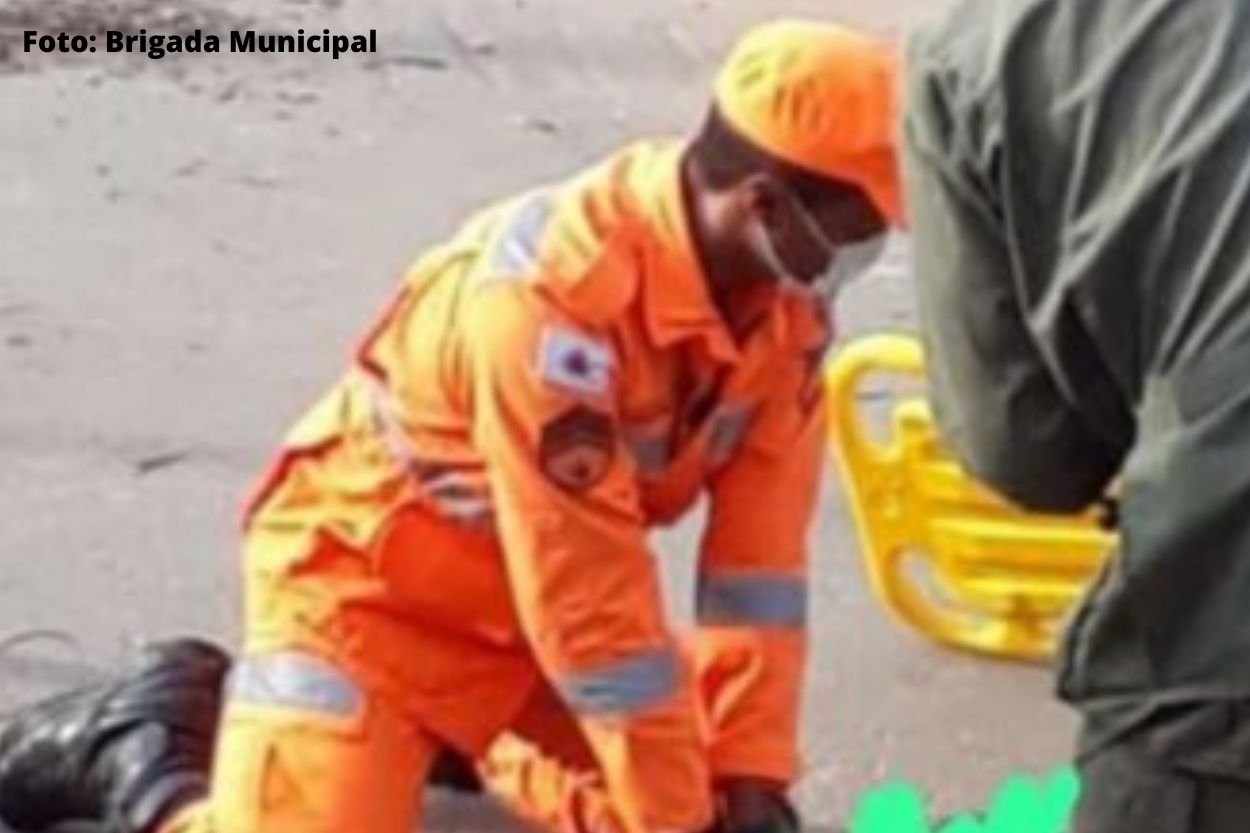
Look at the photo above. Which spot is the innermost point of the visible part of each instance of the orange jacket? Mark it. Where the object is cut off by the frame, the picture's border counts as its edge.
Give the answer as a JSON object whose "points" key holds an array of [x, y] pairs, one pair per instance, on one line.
{"points": [[556, 380]]}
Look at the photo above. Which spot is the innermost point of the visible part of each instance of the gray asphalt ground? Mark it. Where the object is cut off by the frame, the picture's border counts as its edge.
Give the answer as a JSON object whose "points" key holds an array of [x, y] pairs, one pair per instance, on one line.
{"points": [[188, 248]]}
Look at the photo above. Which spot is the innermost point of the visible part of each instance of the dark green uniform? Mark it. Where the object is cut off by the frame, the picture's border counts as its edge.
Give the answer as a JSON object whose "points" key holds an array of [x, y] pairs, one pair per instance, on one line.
{"points": [[1078, 180]]}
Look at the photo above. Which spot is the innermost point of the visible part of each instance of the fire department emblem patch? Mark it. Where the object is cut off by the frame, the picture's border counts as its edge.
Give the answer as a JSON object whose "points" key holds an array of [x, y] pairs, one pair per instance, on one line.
{"points": [[576, 448]]}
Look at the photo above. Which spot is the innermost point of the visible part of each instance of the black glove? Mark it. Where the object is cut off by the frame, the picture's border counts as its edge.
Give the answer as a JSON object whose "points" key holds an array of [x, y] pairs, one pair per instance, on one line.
{"points": [[454, 771], [751, 805]]}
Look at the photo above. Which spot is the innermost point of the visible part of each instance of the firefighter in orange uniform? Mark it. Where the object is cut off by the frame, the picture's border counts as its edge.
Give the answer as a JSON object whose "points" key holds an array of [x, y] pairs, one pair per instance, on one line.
{"points": [[450, 552]]}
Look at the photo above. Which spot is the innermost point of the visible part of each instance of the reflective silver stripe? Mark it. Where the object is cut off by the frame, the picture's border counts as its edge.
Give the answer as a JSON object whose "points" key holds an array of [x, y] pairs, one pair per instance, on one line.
{"points": [[387, 423], [729, 426], [465, 509], [458, 497], [448, 484], [651, 452], [623, 687], [448, 491], [518, 246], [752, 600], [295, 680]]}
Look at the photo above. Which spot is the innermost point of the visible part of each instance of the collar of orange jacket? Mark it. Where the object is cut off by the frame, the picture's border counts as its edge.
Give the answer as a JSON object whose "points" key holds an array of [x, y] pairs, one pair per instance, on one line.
{"points": [[676, 294]]}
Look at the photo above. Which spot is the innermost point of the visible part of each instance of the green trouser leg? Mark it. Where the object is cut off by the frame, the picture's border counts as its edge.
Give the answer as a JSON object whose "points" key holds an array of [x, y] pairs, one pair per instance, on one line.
{"points": [[1127, 790]]}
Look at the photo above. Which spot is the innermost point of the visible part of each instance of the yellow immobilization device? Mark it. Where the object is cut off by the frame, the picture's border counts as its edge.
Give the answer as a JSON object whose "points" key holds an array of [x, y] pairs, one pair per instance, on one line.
{"points": [[943, 553]]}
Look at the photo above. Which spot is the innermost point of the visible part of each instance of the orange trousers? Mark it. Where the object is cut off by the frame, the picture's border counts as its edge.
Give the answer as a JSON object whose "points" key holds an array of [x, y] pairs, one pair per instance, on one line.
{"points": [[277, 770], [350, 682]]}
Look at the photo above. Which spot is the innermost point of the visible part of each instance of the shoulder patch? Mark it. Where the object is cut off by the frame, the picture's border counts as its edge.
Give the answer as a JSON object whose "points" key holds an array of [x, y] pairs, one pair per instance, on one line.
{"points": [[576, 449], [574, 361]]}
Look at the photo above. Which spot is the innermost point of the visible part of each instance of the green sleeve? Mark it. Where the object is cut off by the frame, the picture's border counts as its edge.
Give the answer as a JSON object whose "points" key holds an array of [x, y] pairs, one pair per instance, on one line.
{"points": [[995, 400]]}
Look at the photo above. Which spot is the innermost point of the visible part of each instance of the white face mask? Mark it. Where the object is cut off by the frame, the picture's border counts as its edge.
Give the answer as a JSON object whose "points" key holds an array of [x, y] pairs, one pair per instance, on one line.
{"points": [[850, 262], [847, 262]]}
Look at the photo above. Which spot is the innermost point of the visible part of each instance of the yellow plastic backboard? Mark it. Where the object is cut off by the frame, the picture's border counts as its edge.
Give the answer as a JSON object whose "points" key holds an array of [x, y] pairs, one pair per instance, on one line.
{"points": [[944, 554]]}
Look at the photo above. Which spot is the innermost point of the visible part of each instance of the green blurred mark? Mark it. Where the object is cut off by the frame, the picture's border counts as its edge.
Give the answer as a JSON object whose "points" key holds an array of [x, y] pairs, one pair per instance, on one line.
{"points": [[893, 808], [1020, 805]]}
